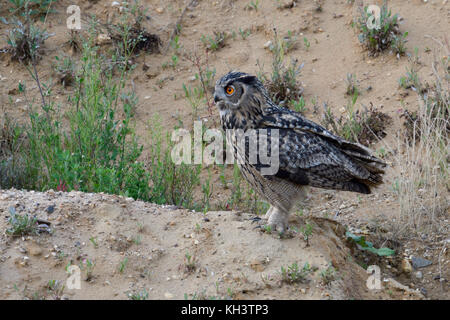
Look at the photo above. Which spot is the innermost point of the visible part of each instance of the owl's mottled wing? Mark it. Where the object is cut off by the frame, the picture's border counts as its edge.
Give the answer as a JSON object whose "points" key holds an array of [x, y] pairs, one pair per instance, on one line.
{"points": [[311, 155], [287, 119]]}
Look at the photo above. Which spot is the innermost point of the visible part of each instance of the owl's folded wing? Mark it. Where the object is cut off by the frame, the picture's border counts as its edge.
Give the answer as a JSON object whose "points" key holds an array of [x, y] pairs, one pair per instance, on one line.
{"points": [[282, 118], [311, 155]]}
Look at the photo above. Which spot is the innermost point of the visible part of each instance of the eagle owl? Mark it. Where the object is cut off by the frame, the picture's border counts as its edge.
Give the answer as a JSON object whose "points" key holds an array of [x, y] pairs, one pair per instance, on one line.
{"points": [[308, 154]]}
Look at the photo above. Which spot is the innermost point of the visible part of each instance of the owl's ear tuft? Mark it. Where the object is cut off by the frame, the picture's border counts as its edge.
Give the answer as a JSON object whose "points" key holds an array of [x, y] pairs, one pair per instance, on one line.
{"points": [[248, 79]]}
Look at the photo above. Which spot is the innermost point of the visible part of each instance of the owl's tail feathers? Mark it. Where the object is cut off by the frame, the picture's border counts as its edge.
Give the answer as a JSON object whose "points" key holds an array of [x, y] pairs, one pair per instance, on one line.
{"points": [[374, 179], [356, 186], [371, 163], [363, 157], [374, 166]]}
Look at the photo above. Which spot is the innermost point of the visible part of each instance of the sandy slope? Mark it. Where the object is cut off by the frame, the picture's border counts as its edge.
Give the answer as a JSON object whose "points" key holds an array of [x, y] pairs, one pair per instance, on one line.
{"points": [[231, 257]]}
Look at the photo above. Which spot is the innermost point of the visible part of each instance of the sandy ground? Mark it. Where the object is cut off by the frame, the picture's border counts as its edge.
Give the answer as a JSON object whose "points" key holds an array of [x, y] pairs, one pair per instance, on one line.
{"points": [[230, 257]]}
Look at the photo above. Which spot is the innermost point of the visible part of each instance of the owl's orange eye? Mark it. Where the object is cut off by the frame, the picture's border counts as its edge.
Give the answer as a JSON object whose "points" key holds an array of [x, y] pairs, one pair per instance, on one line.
{"points": [[229, 90]]}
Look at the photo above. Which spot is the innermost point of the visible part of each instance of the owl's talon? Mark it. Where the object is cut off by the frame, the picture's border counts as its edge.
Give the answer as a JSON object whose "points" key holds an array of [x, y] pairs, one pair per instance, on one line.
{"points": [[255, 219], [278, 221]]}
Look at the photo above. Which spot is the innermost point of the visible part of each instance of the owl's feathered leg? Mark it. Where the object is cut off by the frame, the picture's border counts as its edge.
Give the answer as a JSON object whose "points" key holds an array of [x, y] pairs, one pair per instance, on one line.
{"points": [[269, 212], [278, 220]]}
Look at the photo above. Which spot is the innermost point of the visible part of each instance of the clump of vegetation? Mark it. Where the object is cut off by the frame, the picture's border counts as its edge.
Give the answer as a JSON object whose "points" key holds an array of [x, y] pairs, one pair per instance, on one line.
{"points": [[289, 42], [21, 224], [201, 93], [282, 85], [365, 245], [398, 44], [253, 5], [66, 71], [422, 185], [410, 80], [190, 263], [142, 295], [123, 264], [174, 59], [74, 42], [101, 151], [385, 33], [364, 126], [352, 85], [244, 33], [88, 266], [26, 41], [306, 231], [12, 162], [294, 274], [328, 275], [299, 106], [216, 42], [171, 183], [128, 35], [97, 151], [37, 8], [55, 288]]}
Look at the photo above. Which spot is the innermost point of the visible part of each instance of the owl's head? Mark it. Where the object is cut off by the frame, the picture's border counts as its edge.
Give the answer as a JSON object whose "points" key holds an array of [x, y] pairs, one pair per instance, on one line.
{"points": [[237, 90]]}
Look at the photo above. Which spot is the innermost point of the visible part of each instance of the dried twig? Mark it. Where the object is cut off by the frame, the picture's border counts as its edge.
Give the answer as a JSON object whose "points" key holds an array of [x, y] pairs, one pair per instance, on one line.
{"points": [[440, 268], [196, 60], [176, 28]]}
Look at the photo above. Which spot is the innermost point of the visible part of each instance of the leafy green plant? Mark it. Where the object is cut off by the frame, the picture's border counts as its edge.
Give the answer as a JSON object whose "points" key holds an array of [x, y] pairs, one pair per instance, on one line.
{"points": [[56, 288], [128, 35], [306, 230], [245, 33], [293, 273], [282, 85], [328, 275], [190, 263], [207, 190], [253, 5], [289, 42], [94, 242], [299, 106], [137, 240], [352, 85], [216, 42], [142, 295], [66, 70], [410, 80], [307, 43], [363, 126], [26, 41], [175, 58], [122, 265], [99, 152], [380, 38], [398, 44], [88, 266], [171, 183], [368, 246], [38, 8], [204, 78], [21, 224], [13, 172]]}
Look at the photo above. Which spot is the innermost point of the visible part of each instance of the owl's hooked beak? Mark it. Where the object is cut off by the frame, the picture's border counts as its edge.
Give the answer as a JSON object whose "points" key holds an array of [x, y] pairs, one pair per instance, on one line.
{"points": [[218, 97]]}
